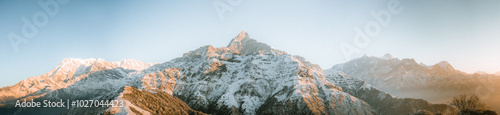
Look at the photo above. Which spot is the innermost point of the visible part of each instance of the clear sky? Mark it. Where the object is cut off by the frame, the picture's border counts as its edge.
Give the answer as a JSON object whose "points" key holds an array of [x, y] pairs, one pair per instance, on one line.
{"points": [[464, 33]]}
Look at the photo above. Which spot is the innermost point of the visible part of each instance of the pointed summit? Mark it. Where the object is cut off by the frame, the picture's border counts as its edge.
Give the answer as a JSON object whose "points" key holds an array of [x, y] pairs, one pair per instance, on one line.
{"points": [[241, 37], [387, 56], [367, 56], [78, 62], [444, 64], [243, 44], [481, 73]]}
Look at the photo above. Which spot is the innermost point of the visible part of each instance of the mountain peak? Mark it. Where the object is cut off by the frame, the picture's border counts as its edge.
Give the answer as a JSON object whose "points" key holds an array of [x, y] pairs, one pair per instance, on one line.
{"points": [[481, 73], [240, 38], [66, 60], [387, 56], [243, 44], [243, 34], [99, 63], [444, 64], [77, 61]]}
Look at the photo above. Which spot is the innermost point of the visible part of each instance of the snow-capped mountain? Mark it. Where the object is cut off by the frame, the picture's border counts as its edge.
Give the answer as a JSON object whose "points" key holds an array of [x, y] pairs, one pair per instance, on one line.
{"points": [[249, 77], [382, 102], [246, 77], [407, 78], [67, 73]]}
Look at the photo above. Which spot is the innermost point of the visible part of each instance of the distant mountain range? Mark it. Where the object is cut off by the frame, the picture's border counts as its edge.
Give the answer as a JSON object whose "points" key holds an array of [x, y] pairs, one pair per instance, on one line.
{"points": [[407, 78], [246, 77], [485, 73]]}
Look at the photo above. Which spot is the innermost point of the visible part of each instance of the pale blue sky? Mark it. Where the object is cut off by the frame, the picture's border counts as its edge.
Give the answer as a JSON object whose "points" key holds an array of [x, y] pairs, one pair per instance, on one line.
{"points": [[465, 33]]}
